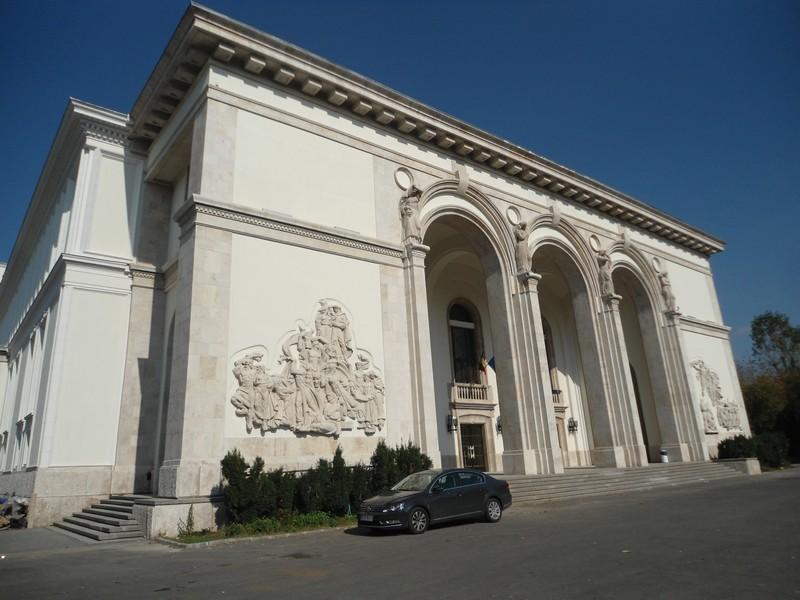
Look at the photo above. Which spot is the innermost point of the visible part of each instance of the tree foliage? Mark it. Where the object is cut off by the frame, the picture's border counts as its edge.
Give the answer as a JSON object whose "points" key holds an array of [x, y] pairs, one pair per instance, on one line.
{"points": [[771, 382], [776, 342]]}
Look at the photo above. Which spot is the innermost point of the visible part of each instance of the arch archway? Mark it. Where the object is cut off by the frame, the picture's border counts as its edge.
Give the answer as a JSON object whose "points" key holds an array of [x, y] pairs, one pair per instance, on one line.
{"points": [[645, 357], [466, 292], [573, 360]]}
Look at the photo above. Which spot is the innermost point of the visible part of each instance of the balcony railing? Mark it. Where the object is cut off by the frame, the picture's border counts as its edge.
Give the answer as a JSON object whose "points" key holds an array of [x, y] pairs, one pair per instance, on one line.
{"points": [[474, 393]]}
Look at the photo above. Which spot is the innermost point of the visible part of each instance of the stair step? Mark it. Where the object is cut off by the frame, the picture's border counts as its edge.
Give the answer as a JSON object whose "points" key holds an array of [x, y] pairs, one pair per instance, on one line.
{"points": [[530, 498], [555, 480], [118, 522], [98, 535], [113, 507], [88, 524], [107, 513], [118, 501]]}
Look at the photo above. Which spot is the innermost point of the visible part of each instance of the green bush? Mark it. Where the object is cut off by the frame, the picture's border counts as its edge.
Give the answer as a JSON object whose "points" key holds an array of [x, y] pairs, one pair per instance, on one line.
{"points": [[249, 493], [739, 446], [330, 488], [772, 449], [410, 459]]}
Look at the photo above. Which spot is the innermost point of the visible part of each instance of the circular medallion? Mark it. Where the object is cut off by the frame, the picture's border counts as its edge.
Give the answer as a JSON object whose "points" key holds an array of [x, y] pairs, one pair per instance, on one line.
{"points": [[403, 178], [657, 264], [594, 243], [513, 215]]}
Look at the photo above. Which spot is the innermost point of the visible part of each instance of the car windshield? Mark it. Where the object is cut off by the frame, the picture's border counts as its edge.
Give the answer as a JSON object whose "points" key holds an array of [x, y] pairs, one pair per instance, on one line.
{"points": [[415, 482]]}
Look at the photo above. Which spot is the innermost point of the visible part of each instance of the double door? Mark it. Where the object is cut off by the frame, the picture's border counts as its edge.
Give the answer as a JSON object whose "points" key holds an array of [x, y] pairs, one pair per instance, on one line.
{"points": [[473, 446]]}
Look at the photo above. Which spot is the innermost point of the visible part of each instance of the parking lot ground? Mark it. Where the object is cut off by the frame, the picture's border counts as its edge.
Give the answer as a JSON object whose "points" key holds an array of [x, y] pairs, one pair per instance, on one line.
{"points": [[737, 538]]}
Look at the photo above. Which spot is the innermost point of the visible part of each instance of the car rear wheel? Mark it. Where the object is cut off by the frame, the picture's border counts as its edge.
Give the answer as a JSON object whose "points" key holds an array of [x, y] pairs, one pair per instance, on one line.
{"points": [[418, 521], [494, 510]]}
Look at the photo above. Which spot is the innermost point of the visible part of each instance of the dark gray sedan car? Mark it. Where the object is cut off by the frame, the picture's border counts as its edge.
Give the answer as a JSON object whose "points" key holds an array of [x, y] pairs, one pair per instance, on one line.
{"points": [[429, 497]]}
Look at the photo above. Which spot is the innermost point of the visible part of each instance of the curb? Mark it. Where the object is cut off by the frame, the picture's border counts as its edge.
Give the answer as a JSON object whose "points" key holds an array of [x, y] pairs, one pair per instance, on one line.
{"points": [[235, 540]]}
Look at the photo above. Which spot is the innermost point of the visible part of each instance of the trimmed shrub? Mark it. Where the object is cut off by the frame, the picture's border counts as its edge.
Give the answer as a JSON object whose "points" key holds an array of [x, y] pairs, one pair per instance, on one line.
{"points": [[739, 446], [249, 493], [384, 468], [331, 487], [772, 448], [410, 459], [360, 485]]}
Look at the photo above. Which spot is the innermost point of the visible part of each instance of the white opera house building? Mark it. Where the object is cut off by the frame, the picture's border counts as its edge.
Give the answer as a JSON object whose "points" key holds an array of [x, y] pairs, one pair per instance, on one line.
{"points": [[273, 253]]}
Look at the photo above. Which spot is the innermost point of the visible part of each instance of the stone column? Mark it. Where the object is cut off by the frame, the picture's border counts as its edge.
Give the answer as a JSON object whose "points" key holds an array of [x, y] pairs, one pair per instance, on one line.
{"points": [[530, 439], [196, 414], [626, 444], [691, 444], [426, 429], [195, 422], [138, 420]]}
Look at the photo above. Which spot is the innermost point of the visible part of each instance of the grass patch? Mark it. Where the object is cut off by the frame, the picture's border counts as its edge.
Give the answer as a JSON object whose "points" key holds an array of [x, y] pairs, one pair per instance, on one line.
{"points": [[287, 523]]}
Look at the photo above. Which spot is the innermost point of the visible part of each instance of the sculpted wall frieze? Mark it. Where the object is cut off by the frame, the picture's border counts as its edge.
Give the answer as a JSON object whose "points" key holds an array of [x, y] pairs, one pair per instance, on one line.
{"points": [[715, 408], [321, 384]]}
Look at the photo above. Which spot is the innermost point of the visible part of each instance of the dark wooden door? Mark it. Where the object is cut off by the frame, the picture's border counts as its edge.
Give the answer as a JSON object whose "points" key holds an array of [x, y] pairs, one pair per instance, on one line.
{"points": [[473, 448]]}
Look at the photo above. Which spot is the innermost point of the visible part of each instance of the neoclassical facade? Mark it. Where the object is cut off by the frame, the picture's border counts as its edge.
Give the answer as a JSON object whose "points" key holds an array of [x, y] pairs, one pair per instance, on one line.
{"points": [[275, 254]]}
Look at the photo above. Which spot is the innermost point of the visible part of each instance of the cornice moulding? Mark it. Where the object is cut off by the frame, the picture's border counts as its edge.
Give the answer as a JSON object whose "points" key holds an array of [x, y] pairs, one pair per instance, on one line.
{"points": [[188, 215], [81, 120], [203, 33]]}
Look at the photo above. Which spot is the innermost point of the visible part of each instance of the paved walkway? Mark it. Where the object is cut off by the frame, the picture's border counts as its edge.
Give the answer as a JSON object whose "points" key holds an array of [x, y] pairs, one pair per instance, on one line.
{"points": [[737, 538]]}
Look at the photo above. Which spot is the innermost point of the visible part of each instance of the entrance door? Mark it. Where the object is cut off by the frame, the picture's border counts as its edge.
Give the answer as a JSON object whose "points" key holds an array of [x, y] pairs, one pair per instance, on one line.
{"points": [[473, 449]]}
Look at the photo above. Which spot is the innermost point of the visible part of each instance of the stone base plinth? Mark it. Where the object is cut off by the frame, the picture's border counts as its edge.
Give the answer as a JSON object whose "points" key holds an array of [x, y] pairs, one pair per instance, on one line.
{"points": [[748, 466], [161, 516]]}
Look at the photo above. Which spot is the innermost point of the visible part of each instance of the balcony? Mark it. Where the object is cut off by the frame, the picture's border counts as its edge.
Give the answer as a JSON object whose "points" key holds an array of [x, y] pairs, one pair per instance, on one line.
{"points": [[471, 395]]}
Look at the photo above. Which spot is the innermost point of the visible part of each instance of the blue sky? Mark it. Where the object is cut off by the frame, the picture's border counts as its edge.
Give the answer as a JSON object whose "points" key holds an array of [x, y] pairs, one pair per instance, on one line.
{"points": [[692, 107]]}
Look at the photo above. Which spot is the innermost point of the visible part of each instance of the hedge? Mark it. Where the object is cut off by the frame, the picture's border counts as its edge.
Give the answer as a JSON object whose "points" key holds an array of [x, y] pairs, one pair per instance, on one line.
{"points": [[331, 487]]}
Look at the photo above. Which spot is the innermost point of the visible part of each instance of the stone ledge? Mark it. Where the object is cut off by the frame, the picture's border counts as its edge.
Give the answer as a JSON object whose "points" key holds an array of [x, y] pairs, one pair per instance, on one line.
{"points": [[748, 466]]}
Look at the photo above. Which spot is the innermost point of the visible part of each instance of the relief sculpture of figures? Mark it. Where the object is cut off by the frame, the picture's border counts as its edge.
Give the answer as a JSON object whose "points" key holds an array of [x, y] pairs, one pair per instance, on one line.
{"points": [[716, 410], [321, 388], [606, 280], [409, 215], [666, 292], [521, 234]]}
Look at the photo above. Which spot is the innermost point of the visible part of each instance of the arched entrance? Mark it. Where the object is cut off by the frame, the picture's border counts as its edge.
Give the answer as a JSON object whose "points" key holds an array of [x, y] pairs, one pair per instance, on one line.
{"points": [[570, 350], [465, 306], [645, 360]]}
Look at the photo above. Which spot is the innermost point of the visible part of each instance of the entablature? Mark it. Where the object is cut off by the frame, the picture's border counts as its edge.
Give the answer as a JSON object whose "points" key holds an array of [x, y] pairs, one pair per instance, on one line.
{"points": [[204, 34]]}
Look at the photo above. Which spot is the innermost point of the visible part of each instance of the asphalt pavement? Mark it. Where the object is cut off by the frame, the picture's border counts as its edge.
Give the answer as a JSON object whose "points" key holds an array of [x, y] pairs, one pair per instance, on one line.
{"points": [[737, 538]]}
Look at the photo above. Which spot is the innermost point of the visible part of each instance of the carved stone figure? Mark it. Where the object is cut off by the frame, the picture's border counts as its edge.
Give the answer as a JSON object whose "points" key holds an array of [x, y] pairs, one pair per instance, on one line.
{"points": [[409, 215], [521, 234], [716, 410], [606, 280], [666, 292], [319, 389]]}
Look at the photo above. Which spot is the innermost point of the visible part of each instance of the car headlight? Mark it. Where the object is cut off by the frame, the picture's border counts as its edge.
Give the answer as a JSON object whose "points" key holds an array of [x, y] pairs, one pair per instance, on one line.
{"points": [[395, 507]]}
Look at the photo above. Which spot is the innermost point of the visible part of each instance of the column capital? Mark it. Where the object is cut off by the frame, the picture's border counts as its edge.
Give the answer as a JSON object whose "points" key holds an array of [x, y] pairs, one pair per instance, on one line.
{"points": [[530, 281], [417, 252], [612, 301]]}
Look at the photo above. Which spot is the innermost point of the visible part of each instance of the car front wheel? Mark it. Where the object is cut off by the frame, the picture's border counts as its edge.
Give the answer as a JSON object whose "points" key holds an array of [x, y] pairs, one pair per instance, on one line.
{"points": [[494, 510], [418, 521]]}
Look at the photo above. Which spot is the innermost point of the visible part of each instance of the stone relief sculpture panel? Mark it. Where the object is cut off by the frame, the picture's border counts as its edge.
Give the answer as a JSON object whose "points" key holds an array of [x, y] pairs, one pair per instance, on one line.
{"points": [[322, 383], [715, 409]]}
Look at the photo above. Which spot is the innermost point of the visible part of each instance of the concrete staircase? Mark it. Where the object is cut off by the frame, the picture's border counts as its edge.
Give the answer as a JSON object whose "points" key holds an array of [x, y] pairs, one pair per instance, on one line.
{"points": [[107, 520], [576, 483]]}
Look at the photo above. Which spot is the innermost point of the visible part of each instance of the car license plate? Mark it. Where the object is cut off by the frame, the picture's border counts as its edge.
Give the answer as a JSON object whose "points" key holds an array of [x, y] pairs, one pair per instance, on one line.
{"points": [[367, 518]]}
